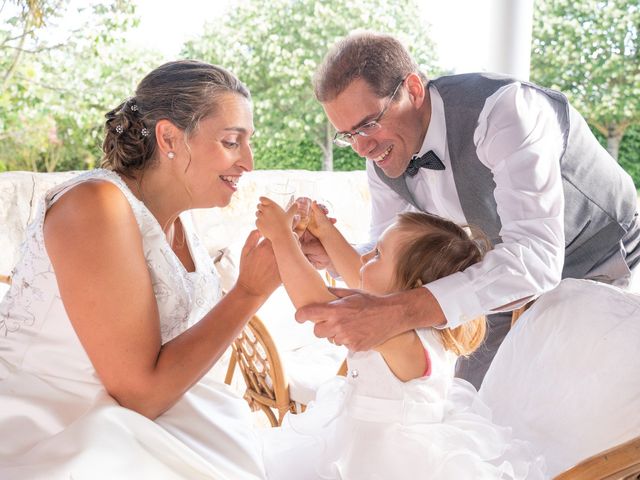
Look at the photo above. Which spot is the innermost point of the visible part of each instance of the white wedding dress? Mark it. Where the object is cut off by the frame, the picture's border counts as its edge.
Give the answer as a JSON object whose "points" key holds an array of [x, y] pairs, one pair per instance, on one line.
{"points": [[56, 419], [372, 426]]}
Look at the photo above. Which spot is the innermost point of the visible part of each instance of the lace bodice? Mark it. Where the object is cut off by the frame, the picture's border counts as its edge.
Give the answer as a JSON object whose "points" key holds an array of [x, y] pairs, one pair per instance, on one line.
{"points": [[33, 322]]}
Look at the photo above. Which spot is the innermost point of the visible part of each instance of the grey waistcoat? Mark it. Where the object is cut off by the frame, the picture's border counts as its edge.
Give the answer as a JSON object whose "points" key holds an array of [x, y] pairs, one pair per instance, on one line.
{"points": [[600, 198]]}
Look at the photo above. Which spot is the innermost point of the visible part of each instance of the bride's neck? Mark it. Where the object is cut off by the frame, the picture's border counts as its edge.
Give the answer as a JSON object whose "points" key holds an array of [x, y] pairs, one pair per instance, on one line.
{"points": [[159, 194]]}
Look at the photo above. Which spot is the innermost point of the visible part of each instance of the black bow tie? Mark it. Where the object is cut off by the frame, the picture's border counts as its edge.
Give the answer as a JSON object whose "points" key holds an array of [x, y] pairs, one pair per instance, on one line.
{"points": [[429, 160]]}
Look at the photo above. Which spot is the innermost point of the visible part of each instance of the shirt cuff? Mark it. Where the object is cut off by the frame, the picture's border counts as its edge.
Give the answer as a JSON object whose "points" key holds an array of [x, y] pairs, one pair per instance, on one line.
{"points": [[457, 299]]}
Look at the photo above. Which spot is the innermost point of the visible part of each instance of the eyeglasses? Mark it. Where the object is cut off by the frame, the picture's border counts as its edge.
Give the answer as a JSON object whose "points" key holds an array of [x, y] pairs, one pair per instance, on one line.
{"points": [[346, 139]]}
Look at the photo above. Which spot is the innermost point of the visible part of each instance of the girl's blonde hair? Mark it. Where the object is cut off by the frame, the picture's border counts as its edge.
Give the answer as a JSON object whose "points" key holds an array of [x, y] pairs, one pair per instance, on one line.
{"points": [[434, 248]]}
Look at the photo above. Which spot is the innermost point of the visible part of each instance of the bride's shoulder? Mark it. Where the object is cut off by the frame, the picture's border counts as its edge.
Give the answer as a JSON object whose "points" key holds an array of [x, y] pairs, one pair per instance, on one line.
{"points": [[97, 198], [91, 211]]}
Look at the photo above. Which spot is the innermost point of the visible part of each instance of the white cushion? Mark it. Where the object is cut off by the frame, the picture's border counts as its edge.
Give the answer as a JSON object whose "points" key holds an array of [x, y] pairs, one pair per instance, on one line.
{"points": [[20, 193], [4, 288], [567, 377]]}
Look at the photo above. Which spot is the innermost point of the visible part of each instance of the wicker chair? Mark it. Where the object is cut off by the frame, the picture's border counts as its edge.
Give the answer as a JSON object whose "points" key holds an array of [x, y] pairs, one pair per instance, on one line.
{"points": [[255, 353], [619, 463], [517, 313]]}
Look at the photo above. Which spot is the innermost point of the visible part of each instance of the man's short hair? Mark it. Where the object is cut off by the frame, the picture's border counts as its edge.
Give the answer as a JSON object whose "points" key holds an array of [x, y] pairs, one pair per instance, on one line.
{"points": [[379, 59]]}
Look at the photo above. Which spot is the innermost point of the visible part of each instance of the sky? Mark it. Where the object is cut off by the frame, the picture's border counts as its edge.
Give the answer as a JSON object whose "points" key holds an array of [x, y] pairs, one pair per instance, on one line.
{"points": [[462, 40]]}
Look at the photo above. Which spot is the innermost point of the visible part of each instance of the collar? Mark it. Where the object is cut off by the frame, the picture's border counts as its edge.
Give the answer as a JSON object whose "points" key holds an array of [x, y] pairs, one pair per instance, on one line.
{"points": [[436, 137]]}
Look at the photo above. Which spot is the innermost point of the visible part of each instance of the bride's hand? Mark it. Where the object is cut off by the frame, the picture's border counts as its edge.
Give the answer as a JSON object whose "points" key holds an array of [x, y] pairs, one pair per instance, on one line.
{"points": [[258, 274]]}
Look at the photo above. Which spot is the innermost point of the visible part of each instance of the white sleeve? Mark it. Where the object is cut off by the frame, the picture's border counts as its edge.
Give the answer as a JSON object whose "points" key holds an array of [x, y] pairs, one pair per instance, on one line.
{"points": [[385, 205], [518, 137]]}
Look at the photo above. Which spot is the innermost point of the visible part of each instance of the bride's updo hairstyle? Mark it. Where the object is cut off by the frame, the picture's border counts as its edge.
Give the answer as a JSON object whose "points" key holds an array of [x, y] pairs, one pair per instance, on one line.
{"points": [[432, 248], [183, 92]]}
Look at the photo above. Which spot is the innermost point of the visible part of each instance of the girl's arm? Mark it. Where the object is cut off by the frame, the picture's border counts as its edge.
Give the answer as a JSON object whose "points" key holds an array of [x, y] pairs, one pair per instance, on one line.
{"points": [[95, 247], [403, 353], [302, 282], [345, 258]]}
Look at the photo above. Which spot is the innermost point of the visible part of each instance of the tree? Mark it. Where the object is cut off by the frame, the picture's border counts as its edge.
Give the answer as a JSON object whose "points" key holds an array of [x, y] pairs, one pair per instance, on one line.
{"points": [[590, 50], [19, 34], [276, 46], [52, 109]]}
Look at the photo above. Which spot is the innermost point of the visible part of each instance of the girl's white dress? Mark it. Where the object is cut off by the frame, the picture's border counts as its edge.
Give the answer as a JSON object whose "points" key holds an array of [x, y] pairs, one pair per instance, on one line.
{"points": [[372, 426], [56, 419]]}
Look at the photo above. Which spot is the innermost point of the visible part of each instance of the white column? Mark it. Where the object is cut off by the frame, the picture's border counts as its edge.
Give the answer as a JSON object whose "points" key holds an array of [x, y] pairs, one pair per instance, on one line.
{"points": [[510, 37]]}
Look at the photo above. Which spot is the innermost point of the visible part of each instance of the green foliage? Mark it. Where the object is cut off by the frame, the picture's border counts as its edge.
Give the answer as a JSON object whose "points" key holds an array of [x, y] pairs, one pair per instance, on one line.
{"points": [[590, 50], [22, 23], [630, 151], [52, 104], [56, 86], [345, 159], [19, 31], [275, 47], [52, 109], [283, 155], [306, 155], [629, 157]]}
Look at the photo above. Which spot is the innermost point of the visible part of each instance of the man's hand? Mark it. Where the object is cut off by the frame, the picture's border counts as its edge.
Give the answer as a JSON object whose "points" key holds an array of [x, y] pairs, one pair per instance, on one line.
{"points": [[314, 251], [362, 321]]}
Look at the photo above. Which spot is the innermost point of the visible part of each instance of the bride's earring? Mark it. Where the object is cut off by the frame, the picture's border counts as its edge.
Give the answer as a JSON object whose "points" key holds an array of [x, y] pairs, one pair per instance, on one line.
{"points": [[171, 155]]}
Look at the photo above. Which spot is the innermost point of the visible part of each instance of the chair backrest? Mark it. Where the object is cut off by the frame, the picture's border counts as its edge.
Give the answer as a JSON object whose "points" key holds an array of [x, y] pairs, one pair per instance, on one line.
{"points": [[517, 313], [566, 376], [618, 463], [256, 355]]}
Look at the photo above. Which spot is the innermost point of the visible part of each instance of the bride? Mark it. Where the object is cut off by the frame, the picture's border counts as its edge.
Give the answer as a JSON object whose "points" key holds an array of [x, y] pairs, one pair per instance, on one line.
{"points": [[115, 303]]}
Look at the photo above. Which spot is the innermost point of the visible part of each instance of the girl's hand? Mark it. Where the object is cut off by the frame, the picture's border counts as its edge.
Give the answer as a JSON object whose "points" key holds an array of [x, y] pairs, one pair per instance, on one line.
{"points": [[319, 223], [272, 221], [258, 274], [301, 219]]}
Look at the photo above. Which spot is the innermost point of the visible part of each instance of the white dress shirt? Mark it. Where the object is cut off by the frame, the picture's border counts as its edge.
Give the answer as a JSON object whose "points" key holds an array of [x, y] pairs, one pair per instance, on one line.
{"points": [[519, 139]]}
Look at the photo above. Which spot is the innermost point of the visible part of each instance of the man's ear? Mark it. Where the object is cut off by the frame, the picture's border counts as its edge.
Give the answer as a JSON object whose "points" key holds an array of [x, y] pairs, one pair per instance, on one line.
{"points": [[167, 135], [416, 89]]}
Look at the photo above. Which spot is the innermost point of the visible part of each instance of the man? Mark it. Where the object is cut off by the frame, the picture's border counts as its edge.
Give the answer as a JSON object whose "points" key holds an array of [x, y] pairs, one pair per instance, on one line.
{"points": [[509, 157]]}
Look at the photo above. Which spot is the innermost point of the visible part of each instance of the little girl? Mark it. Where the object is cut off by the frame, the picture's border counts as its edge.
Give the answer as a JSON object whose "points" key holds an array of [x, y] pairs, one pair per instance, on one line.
{"points": [[399, 413]]}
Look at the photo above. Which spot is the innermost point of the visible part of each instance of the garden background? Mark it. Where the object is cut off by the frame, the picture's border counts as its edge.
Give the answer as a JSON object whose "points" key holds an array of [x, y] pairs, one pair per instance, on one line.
{"points": [[64, 64]]}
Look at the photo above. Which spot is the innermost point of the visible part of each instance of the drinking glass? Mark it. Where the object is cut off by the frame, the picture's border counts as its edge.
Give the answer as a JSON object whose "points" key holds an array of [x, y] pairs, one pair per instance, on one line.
{"points": [[306, 193], [303, 215], [281, 193]]}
